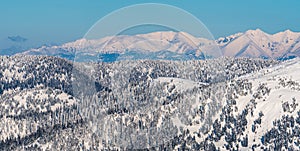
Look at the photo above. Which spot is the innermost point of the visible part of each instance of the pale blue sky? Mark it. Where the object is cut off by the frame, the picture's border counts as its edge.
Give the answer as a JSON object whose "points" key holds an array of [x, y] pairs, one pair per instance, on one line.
{"points": [[59, 21]]}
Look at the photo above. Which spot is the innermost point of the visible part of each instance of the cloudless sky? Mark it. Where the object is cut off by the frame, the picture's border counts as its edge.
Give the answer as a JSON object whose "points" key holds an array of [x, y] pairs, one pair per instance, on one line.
{"points": [[59, 21]]}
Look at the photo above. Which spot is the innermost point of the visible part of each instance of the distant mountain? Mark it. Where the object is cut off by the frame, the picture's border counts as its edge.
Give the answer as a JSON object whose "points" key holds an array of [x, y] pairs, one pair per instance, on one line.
{"points": [[157, 45], [256, 43], [179, 46]]}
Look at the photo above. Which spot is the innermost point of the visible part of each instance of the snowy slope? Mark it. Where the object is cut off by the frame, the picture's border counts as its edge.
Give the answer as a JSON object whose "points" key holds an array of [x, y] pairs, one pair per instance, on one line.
{"points": [[283, 82], [272, 105]]}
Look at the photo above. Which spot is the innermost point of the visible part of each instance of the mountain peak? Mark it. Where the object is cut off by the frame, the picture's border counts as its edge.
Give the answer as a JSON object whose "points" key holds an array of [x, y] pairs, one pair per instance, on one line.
{"points": [[256, 31], [287, 33], [288, 30]]}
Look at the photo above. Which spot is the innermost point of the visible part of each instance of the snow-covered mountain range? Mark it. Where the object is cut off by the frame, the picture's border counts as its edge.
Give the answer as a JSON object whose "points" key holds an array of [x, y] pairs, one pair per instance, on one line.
{"points": [[180, 46]]}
